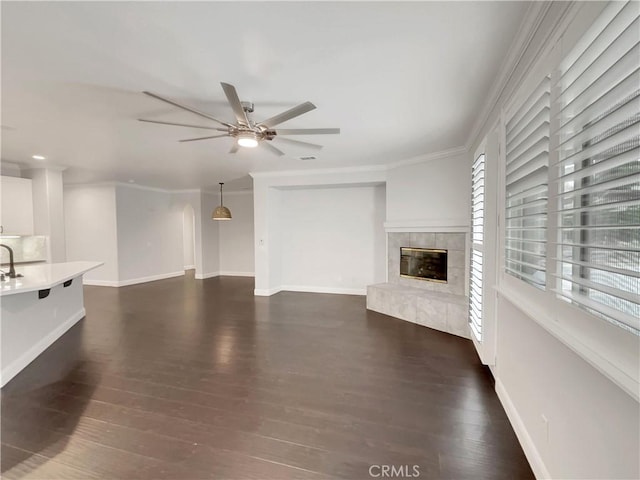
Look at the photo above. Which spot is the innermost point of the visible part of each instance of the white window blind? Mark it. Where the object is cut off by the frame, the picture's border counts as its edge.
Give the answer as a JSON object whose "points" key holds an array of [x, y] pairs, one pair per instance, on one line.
{"points": [[477, 240], [598, 162], [527, 161]]}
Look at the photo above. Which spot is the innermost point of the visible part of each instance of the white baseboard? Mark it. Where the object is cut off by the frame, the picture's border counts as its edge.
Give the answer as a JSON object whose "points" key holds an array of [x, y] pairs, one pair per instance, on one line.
{"points": [[100, 283], [202, 276], [189, 267], [227, 273], [151, 278], [311, 289], [15, 367], [132, 281], [266, 292], [529, 448]]}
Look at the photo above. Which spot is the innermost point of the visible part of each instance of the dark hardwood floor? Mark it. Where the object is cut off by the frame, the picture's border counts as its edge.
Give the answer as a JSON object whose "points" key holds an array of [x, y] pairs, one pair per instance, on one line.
{"points": [[190, 379]]}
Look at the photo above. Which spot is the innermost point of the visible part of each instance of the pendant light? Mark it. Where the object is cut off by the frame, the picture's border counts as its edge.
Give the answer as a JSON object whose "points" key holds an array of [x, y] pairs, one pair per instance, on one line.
{"points": [[221, 212]]}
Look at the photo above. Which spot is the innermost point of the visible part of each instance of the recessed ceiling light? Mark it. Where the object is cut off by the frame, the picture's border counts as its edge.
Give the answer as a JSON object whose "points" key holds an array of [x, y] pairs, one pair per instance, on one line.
{"points": [[38, 157]]}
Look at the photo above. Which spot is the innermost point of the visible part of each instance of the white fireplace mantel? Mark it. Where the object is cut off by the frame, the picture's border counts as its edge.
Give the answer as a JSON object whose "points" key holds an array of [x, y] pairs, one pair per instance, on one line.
{"points": [[427, 225]]}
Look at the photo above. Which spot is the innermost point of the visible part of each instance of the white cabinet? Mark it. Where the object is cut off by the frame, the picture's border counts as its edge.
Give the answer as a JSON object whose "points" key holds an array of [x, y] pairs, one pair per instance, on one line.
{"points": [[17, 206]]}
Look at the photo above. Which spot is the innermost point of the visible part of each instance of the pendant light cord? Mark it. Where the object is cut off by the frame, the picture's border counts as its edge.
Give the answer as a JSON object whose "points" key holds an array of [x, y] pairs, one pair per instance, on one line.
{"points": [[221, 202]]}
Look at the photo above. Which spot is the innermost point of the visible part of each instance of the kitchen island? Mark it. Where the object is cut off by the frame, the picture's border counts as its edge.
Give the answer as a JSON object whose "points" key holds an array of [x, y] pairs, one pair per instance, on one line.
{"points": [[37, 309]]}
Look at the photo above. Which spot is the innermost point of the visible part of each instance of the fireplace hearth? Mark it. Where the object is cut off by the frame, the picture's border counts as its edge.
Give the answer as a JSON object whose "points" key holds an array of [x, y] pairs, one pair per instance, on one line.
{"points": [[426, 280]]}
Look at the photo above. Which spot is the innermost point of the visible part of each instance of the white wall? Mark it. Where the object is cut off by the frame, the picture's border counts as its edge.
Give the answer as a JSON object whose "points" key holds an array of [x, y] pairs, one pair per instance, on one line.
{"points": [[188, 237], [379, 235], [593, 426], [91, 229], [48, 210], [236, 236], [149, 234], [274, 236], [139, 234], [271, 191], [432, 192], [330, 237], [136, 231], [209, 241]]}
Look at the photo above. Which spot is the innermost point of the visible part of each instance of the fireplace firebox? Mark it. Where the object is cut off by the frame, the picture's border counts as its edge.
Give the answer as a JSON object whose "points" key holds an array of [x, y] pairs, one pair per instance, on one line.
{"points": [[424, 264]]}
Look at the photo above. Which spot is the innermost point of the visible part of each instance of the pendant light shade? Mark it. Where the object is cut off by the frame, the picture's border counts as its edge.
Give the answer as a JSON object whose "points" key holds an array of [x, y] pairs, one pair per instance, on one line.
{"points": [[221, 212]]}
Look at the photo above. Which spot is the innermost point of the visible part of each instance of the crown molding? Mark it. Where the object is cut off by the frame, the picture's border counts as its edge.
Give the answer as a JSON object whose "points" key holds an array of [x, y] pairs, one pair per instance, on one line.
{"points": [[238, 192], [529, 26], [506, 81], [135, 186], [186, 190], [319, 171], [90, 184], [451, 152], [25, 167]]}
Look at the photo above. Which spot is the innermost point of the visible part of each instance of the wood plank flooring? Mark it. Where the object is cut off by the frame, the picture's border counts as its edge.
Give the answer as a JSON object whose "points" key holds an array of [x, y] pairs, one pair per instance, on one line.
{"points": [[191, 379]]}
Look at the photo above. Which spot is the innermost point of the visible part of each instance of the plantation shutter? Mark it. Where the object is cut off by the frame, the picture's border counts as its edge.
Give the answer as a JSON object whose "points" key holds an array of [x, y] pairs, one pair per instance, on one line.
{"points": [[527, 161], [598, 162], [477, 240]]}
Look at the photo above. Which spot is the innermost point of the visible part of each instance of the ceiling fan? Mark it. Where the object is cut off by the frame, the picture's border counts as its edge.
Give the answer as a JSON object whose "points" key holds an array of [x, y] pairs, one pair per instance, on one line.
{"points": [[245, 130]]}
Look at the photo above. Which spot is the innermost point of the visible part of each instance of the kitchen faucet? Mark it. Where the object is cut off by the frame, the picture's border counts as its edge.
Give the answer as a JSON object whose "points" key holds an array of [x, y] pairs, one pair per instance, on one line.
{"points": [[12, 270]]}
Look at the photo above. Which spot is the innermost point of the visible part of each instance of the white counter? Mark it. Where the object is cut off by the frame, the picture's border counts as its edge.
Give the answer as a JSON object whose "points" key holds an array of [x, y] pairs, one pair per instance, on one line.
{"points": [[37, 309], [41, 277]]}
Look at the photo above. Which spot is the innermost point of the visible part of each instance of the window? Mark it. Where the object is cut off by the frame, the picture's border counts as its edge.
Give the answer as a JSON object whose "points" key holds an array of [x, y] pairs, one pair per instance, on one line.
{"points": [[570, 193], [477, 239], [527, 161], [598, 169]]}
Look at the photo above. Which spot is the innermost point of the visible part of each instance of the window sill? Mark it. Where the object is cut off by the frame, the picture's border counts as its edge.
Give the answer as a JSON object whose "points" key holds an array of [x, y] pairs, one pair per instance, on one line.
{"points": [[622, 378]]}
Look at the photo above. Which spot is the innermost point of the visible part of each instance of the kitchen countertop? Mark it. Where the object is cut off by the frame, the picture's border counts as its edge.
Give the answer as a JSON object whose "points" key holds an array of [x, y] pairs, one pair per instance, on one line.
{"points": [[40, 277]]}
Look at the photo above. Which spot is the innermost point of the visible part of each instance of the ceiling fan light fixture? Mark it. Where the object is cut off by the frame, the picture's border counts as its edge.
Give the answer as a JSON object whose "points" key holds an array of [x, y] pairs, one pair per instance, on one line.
{"points": [[245, 131], [247, 139]]}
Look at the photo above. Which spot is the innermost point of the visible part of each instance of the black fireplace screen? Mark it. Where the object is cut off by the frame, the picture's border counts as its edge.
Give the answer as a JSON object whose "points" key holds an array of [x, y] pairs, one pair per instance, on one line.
{"points": [[424, 264]]}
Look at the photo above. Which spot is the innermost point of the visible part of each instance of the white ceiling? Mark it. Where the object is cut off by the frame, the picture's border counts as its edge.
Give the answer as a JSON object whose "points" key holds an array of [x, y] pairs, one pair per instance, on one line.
{"points": [[399, 79]]}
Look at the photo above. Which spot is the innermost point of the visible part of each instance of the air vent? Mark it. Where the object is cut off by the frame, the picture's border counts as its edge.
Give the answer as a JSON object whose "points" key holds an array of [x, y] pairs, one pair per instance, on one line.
{"points": [[311, 157]]}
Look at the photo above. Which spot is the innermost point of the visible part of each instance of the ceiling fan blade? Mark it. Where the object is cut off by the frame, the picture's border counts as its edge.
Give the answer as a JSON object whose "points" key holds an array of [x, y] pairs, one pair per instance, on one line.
{"points": [[204, 138], [234, 147], [182, 125], [188, 109], [307, 131], [290, 141], [234, 102], [271, 148], [288, 115]]}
